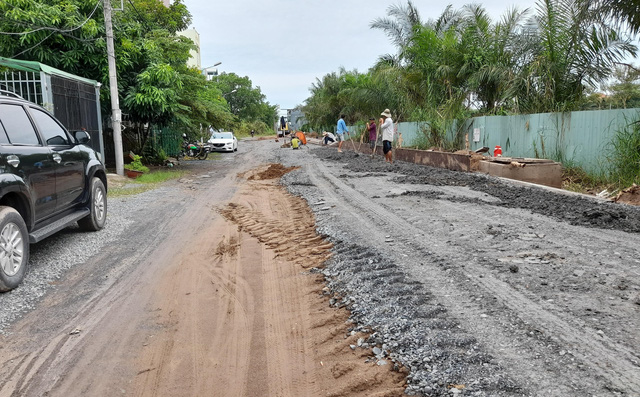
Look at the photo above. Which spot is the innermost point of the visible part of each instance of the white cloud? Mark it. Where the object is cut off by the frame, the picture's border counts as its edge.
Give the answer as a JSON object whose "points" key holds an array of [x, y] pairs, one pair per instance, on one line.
{"points": [[284, 45]]}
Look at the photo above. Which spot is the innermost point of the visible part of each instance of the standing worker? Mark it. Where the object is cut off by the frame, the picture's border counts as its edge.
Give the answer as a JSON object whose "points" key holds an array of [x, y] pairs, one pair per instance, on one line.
{"points": [[386, 128], [340, 131], [371, 127]]}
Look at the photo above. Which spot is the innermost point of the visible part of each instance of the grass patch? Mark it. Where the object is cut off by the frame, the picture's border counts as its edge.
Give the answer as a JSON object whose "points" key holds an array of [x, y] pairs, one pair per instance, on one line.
{"points": [[128, 190], [575, 179], [624, 158], [160, 176], [146, 182]]}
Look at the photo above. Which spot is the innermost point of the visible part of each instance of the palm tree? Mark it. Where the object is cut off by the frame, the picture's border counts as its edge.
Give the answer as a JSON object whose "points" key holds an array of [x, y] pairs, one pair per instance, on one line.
{"points": [[400, 24], [572, 48], [624, 11]]}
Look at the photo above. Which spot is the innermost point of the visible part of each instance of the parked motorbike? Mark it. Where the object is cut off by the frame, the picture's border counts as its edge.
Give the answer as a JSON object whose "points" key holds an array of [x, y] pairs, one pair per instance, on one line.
{"points": [[195, 150]]}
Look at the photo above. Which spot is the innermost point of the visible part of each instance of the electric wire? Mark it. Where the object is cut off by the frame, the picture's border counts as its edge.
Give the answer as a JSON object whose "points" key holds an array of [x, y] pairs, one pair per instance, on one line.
{"points": [[55, 30], [33, 46], [80, 39], [143, 19]]}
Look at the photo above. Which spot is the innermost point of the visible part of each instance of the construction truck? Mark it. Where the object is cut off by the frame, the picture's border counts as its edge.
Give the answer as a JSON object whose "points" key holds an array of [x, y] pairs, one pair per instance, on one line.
{"points": [[283, 127]]}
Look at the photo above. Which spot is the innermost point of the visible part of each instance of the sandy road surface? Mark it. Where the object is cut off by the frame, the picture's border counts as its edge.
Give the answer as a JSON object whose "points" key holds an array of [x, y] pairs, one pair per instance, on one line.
{"points": [[208, 291], [471, 285]]}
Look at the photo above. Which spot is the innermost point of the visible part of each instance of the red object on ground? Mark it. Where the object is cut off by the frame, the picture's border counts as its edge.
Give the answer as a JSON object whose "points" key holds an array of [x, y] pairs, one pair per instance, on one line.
{"points": [[497, 152]]}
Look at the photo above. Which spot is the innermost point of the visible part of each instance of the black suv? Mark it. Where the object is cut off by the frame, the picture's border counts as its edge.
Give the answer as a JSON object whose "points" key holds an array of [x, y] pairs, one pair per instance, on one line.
{"points": [[49, 179]]}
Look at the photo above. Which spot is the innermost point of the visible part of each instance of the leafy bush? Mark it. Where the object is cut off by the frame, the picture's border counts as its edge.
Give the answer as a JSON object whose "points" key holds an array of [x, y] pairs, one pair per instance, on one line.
{"points": [[244, 128], [136, 164]]}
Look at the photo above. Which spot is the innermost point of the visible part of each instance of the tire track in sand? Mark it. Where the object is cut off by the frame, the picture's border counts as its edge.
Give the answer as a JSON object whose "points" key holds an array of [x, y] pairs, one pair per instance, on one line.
{"points": [[306, 343]]}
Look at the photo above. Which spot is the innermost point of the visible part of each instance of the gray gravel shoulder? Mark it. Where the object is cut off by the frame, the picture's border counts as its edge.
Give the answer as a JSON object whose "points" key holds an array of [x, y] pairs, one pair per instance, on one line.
{"points": [[477, 285]]}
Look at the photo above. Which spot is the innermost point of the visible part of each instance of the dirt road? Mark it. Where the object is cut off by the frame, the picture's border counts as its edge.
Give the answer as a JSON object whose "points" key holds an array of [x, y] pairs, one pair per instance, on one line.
{"points": [[353, 278], [208, 292]]}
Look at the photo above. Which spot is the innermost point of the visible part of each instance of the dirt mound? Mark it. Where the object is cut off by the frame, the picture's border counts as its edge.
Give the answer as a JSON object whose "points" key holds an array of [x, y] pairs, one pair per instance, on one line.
{"points": [[630, 195], [273, 171], [267, 137]]}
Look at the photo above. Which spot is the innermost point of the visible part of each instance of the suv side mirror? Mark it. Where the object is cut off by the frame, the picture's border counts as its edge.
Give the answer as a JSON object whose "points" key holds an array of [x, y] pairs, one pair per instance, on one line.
{"points": [[82, 136]]}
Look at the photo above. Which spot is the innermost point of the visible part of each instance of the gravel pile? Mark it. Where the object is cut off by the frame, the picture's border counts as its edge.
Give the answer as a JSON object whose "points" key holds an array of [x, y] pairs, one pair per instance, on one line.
{"points": [[408, 327]]}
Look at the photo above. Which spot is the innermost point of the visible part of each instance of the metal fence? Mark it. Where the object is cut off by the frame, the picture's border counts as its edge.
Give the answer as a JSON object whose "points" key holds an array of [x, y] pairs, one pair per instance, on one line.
{"points": [[75, 104], [26, 84], [578, 138], [74, 100], [167, 139]]}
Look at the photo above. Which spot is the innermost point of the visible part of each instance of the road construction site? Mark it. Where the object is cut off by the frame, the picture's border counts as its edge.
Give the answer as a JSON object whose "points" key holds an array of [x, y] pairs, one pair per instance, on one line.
{"points": [[285, 272]]}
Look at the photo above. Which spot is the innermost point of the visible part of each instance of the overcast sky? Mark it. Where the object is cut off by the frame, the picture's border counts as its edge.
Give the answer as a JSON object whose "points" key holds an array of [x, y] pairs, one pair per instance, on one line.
{"points": [[284, 45]]}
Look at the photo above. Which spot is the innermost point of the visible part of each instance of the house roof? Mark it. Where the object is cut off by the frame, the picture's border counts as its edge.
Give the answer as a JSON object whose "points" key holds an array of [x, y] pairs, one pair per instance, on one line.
{"points": [[33, 66]]}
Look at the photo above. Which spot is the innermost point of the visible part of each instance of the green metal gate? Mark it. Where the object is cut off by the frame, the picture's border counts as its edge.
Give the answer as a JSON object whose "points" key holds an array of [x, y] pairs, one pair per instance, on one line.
{"points": [[167, 139]]}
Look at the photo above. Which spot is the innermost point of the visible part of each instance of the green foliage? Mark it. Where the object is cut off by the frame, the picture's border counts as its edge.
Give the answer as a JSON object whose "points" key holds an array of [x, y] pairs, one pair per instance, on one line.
{"points": [[244, 128], [155, 156], [624, 155], [625, 90], [246, 102], [155, 96], [145, 182], [624, 11], [203, 106], [358, 96], [160, 176], [463, 63], [571, 48], [575, 179]]}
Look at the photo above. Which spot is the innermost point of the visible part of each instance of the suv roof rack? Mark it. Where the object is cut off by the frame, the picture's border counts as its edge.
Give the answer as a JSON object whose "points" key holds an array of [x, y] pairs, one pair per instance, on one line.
{"points": [[10, 93]]}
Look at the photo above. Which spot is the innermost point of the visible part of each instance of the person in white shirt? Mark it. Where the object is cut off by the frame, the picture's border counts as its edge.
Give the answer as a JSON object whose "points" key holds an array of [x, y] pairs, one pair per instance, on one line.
{"points": [[386, 127], [328, 138]]}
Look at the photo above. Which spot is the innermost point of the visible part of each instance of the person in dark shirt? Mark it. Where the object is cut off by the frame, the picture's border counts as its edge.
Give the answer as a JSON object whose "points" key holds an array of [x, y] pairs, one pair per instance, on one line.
{"points": [[372, 128]]}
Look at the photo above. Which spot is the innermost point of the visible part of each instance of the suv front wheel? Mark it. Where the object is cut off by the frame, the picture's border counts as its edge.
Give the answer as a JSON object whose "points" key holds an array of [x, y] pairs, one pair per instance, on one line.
{"points": [[97, 205], [14, 248]]}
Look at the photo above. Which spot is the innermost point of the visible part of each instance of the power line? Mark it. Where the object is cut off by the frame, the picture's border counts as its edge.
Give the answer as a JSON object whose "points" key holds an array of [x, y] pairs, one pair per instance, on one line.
{"points": [[34, 46], [64, 34], [55, 30], [143, 19]]}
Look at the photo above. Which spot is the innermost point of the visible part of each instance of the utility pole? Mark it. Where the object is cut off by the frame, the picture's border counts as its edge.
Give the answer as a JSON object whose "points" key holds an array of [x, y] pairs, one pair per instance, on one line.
{"points": [[116, 115]]}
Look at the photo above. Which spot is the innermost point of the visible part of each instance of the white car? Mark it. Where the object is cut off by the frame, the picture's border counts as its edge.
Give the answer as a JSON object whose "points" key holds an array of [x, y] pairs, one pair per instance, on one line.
{"points": [[223, 142]]}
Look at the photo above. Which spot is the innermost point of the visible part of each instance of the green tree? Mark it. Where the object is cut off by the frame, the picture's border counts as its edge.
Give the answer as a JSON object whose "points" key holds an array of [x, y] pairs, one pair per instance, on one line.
{"points": [[246, 102], [625, 89], [155, 84], [326, 103], [571, 48], [202, 106]]}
